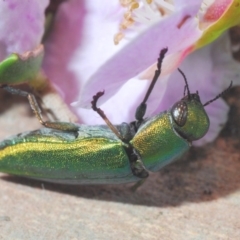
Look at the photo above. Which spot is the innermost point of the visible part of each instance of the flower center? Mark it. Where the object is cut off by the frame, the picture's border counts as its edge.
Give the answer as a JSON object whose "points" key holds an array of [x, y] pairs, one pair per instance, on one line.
{"points": [[140, 13]]}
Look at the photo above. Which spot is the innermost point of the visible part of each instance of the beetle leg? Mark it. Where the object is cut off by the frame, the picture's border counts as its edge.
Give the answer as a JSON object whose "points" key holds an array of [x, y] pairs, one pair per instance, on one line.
{"points": [[141, 109], [103, 116], [138, 169], [37, 111], [138, 184]]}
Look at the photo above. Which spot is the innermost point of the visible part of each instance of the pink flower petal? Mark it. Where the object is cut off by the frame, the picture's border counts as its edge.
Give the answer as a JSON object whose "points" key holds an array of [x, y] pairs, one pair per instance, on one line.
{"points": [[86, 56], [82, 37], [120, 107], [21, 25], [143, 52]]}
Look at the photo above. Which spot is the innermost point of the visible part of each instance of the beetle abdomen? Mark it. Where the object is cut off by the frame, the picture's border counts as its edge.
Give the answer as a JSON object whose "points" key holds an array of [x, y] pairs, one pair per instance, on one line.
{"points": [[61, 158]]}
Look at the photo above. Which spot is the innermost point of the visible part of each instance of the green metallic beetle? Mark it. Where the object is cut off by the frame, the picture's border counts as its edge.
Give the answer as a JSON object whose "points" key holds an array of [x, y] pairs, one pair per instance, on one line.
{"points": [[81, 154]]}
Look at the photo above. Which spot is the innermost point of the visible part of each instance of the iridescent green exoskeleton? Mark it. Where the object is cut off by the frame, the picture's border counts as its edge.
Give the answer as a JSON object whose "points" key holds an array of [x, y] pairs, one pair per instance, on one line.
{"points": [[70, 153]]}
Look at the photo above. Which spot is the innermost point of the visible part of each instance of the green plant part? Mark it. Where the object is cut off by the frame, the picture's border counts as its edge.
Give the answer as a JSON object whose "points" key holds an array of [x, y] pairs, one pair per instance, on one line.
{"points": [[19, 68]]}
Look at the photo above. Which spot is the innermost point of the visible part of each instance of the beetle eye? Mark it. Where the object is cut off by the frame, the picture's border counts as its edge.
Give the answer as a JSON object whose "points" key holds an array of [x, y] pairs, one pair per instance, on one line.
{"points": [[179, 113]]}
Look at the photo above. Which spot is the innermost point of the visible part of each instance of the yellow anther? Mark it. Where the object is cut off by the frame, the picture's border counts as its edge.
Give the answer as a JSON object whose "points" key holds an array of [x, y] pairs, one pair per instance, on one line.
{"points": [[126, 23], [128, 15], [133, 6], [125, 3], [118, 37]]}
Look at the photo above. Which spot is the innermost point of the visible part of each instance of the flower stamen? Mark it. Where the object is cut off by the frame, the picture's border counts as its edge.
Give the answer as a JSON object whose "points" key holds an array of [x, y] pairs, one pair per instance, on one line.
{"points": [[141, 13]]}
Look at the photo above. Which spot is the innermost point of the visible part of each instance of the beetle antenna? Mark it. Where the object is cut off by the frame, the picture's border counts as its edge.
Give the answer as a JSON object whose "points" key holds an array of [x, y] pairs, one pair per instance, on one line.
{"points": [[143, 106], [219, 95], [184, 91], [186, 84]]}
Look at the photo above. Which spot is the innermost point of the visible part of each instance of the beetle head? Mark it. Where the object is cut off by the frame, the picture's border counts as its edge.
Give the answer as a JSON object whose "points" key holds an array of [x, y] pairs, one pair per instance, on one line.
{"points": [[190, 119]]}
